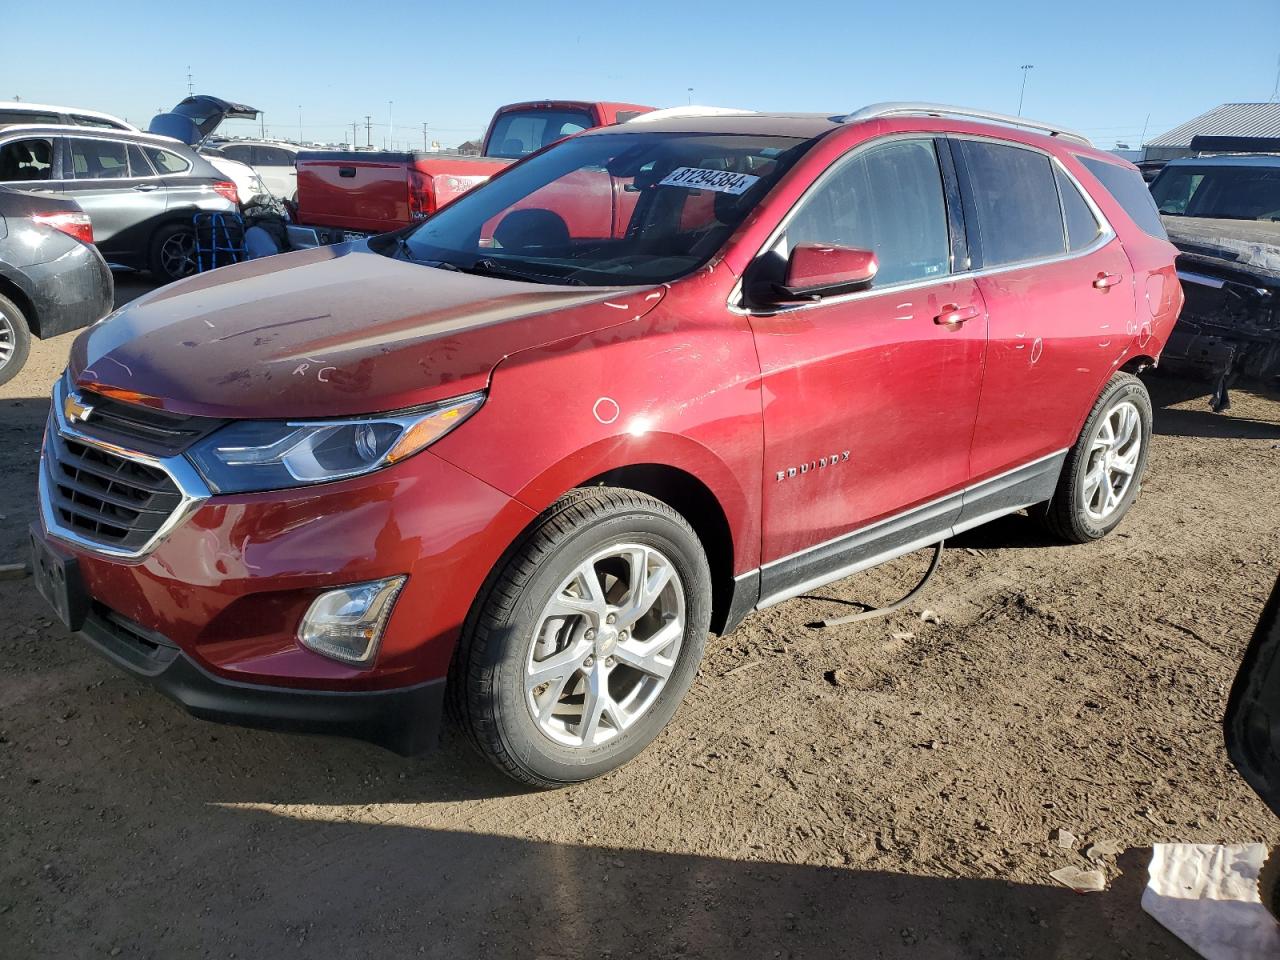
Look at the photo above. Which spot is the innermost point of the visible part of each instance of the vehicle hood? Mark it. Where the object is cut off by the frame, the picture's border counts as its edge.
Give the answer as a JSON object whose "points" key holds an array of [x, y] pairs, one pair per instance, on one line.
{"points": [[1251, 245], [332, 331]]}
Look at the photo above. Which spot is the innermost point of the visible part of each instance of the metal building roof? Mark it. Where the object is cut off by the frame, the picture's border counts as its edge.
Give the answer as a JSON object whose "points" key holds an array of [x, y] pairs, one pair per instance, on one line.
{"points": [[1227, 120]]}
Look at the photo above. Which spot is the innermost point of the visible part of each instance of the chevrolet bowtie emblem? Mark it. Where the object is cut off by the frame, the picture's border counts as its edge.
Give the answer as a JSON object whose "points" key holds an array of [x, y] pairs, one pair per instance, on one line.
{"points": [[74, 410]]}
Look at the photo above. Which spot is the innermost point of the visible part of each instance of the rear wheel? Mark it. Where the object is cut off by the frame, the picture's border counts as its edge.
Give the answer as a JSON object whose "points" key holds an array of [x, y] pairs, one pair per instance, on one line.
{"points": [[585, 640], [15, 340], [1103, 471], [173, 252]]}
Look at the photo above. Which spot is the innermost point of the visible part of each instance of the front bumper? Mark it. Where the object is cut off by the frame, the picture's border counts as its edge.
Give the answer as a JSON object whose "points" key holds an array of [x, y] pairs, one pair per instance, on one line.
{"points": [[217, 598], [406, 720]]}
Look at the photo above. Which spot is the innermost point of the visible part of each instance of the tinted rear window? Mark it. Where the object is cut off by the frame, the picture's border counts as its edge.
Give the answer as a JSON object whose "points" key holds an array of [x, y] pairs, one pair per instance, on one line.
{"points": [[1082, 226], [516, 134], [1015, 203], [1130, 191]]}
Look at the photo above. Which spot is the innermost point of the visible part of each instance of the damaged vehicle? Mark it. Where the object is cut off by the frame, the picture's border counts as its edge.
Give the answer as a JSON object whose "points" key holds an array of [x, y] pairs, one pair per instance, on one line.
{"points": [[1223, 214], [522, 460]]}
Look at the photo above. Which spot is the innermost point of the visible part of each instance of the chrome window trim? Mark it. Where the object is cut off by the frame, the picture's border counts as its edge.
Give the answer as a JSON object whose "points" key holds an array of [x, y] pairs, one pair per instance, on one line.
{"points": [[1105, 236], [190, 486]]}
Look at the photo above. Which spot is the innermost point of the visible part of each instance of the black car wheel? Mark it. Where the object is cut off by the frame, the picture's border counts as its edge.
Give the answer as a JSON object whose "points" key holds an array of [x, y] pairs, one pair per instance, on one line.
{"points": [[173, 252], [15, 340]]}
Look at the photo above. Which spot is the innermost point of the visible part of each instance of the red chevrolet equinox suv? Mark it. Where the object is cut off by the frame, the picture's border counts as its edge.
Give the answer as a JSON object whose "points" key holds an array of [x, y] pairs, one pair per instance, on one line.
{"points": [[522, 457]]}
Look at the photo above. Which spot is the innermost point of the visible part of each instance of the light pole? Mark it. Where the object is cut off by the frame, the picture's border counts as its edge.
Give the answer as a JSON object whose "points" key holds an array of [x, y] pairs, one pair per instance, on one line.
{"points": [[299, 124], [689, 91], [391, 125], [424, 136], [1025, 68]]}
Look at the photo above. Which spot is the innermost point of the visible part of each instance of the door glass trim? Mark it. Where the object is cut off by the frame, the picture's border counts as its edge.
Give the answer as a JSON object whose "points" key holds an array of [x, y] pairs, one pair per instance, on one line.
{"points": [[735, 302]]}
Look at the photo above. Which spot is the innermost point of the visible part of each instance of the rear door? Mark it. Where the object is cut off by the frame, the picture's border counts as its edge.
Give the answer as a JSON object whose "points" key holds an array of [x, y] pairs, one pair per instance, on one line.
{"points": [[275, 166], [1059, 293], [113, 182]]}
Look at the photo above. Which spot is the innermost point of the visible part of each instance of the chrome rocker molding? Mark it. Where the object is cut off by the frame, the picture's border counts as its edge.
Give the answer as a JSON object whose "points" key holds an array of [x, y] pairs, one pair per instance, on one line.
{"points": [[904, 533], [192, 488]]}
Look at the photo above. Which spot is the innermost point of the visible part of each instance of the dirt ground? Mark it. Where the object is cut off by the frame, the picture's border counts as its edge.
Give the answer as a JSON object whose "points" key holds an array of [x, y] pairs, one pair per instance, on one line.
{"points": [[878, 790]]}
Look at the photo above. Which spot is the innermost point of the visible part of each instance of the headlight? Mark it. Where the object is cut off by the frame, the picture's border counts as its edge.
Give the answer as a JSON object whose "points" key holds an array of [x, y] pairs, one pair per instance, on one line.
{"points": [[252, 455]]}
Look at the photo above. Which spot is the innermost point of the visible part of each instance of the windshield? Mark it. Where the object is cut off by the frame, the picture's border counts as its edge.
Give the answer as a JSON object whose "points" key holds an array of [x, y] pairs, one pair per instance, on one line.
{"points": [[607, 209], [1219, 193]]}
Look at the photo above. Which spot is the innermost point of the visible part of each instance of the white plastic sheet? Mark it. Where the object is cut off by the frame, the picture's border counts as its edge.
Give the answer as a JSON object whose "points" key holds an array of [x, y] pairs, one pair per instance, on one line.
{"points": [[1207, 895]]}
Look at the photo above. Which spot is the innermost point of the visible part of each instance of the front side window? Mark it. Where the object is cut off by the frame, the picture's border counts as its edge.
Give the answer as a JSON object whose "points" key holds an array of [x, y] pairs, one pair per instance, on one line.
{"points": [[518, 134], [22, 161], [1014, 199], [12, 117], [98, 159], [166, 161], [606, 209], [887, 199]]}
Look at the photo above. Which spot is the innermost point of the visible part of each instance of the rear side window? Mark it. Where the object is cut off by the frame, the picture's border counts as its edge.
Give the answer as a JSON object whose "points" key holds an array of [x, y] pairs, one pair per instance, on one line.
{"points": [[166, 162], [98, 159], [272, 157], [1082, 225], [1130, 191], [24, 160], [80, 120], [888, 199], [138, 165], [1015, 203]]}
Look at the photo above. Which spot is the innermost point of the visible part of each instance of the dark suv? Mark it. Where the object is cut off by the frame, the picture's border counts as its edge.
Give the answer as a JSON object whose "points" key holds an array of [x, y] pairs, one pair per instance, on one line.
{"points": [[644, 381], [140, 191]]}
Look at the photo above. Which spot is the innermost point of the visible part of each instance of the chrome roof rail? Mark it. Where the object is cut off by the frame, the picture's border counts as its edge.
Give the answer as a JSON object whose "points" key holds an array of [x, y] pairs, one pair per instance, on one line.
{"points": [[908, 108]]}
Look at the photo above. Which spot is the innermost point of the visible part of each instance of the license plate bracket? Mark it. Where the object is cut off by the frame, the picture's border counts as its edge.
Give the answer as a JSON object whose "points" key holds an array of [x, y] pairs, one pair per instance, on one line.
{"points": [[57, 578]]}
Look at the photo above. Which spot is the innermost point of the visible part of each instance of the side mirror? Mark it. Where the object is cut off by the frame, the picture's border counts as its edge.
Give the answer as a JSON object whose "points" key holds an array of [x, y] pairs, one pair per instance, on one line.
{"points": [[817, 270]]}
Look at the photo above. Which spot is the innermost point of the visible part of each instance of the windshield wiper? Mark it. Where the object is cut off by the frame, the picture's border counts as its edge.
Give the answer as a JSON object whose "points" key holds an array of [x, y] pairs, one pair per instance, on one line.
{"points": [[491, 268]]}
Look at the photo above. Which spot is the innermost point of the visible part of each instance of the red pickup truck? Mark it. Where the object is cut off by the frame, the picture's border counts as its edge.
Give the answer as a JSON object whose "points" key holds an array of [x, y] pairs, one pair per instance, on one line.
{"points": [[347, 194]]}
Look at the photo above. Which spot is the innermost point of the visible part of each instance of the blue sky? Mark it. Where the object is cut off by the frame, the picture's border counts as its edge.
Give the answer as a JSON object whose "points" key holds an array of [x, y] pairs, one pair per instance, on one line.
{"points": [[1103, 68]]}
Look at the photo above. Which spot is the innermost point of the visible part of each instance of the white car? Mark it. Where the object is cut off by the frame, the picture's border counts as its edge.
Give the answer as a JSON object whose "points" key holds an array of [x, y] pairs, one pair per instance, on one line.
{"points": [[247, 182], [274, 162]]}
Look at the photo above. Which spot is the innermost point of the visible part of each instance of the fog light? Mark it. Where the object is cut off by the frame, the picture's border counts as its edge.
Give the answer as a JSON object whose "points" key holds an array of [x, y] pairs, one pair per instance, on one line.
{"points": [[347, 623]]}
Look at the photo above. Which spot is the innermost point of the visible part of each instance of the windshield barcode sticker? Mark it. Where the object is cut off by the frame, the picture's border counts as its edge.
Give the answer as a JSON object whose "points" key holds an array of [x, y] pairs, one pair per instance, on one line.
{"points": [[721, 181]]}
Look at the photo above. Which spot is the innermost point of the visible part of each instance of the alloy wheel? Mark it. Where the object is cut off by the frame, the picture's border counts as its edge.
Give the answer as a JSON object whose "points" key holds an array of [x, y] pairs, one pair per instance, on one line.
{"points": [[1113, 459], [178, 255], [605, 645], [8, 339]]}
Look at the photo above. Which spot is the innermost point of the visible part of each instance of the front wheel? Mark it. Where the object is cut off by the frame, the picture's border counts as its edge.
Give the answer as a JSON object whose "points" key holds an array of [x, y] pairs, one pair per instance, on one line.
{"points": [[586, 638], [1103, 470]]}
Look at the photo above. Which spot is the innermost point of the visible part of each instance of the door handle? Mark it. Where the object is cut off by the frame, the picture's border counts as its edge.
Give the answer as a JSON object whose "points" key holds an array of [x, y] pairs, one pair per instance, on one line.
{"points": [[1106, 280], [953, 315], [146, 187]]}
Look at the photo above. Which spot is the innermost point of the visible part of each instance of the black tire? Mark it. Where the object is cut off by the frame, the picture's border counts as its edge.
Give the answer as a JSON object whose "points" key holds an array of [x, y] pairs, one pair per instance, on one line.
{"points": [[487, 682], [15, 340], [163, 259], [1065, 515]]}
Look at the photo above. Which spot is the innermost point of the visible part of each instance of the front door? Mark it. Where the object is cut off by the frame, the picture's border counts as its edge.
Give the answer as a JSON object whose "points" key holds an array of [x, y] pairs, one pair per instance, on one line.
{"points": [[869, 402]]}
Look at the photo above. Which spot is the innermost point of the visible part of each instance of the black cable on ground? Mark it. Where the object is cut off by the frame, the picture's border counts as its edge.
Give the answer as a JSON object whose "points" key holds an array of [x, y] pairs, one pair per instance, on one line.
{"points": [[897, 604]]}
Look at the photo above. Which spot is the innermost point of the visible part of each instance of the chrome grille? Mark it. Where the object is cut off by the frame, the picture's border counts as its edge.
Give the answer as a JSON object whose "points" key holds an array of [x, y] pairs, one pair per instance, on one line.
{"points": [[104, 497], [110, 498], [155, 432]]}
